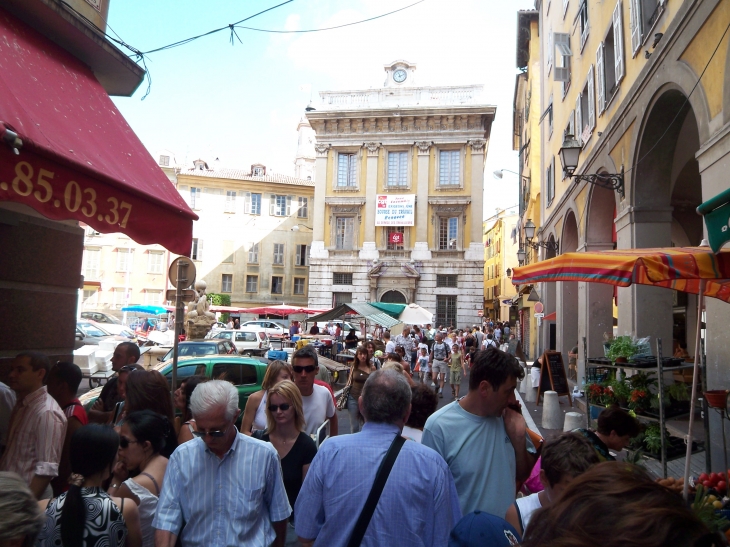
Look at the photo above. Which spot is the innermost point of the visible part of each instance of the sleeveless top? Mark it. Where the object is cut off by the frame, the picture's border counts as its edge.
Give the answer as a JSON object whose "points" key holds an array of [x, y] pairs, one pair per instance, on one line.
{"points": [[259, 420], [147, 507], [105, 526], [526, 507]]}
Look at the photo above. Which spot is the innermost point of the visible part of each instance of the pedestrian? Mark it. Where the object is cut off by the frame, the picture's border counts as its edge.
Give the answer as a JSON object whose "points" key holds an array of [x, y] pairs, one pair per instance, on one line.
{"points": [[483, 436], [63, 383], [428, 334], [148, 390], [616, 504], [406, 342], [236, 323], [480, 529], [457, 366], [21, 519], [182, 403], [497, 334], [562, 460], [616, 428], [144, 450], [254, 415], [439, 363], [424, 371], [359, 372], [479, 335], [229, 325], [7, 402], [489, 342], [317, 401], [423, 403], [389, 344], [285, 431], [85, 515], [102, 412], [370, 346], [223, 488], [343, 472], [37, 425], [351, 339]]}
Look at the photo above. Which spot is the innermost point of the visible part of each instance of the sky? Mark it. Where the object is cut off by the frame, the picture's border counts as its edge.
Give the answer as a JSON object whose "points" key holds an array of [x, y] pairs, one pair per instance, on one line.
{"points": [[241, 102]]}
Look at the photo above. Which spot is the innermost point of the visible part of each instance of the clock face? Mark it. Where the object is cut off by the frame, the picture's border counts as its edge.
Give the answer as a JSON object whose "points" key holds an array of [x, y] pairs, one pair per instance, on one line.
{"points": [[399, 75]]}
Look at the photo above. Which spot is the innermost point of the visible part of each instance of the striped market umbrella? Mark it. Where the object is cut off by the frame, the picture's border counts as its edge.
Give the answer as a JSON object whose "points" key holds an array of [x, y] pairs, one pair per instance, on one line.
{"points": [[695, 270]]}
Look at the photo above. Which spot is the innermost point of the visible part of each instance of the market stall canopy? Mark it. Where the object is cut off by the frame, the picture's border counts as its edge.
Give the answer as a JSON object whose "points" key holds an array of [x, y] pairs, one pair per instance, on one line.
{"points": [[68, 153], [716, 212], [225, 309], [678, 268], [413, 314], [394, 310], [152, 310], [364, 309], [281, 309]]}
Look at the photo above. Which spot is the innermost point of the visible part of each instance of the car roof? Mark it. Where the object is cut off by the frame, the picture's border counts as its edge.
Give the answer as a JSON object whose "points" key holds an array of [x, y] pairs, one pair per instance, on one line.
{"points": [[205, 358]]}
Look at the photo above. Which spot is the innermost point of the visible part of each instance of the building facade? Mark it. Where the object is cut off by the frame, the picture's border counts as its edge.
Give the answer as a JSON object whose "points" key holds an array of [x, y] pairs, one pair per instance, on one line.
{"points": [[399, 184], [643, 85], [500, 258]]}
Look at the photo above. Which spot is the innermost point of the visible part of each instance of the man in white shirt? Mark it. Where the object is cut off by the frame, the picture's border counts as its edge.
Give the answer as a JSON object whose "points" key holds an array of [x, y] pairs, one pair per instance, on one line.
{"points": [[317, 402], [389, 344]]}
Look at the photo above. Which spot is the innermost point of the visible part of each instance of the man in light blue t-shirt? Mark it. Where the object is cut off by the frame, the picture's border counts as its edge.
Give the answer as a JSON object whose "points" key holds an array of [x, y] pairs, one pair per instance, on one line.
{"points": [[482, 439]]}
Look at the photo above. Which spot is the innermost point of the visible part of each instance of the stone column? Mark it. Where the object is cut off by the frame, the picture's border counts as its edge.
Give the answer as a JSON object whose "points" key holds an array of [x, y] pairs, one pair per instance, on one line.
{"points": [[369, 249], [319, 210], [567, 317], [420, 247], [476, 247]]}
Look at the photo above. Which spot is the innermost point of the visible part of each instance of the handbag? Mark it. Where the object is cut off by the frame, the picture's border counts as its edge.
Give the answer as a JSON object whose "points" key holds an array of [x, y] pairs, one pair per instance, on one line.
{"points": [[381, 477], [342, 399]]}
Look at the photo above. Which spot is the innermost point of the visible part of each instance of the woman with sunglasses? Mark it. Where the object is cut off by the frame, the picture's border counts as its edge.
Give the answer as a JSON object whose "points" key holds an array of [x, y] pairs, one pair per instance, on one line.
{"points": [[361, 369], [285, 430], [143, 453], [86, 515], [182, 402], [254, 415]]}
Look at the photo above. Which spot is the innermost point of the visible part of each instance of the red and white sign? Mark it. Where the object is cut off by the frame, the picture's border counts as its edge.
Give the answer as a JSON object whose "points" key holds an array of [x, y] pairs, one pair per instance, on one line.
{"points": [[395, 210], [480, 313], [539, 308], [395, 238]]}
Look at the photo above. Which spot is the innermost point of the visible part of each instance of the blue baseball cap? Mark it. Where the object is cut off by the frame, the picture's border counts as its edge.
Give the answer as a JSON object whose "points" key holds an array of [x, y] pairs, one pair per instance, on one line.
{"points": [[480, 529]]}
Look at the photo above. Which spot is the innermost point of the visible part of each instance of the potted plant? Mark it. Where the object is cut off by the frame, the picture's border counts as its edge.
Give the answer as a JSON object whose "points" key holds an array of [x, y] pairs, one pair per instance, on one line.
{"points": [[621, 349], [639, 400], [622, 391]]}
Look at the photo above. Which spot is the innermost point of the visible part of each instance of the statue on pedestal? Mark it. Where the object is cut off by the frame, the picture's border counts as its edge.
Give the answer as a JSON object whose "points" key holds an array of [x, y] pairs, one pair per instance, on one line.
{"points": [[199, 320]]}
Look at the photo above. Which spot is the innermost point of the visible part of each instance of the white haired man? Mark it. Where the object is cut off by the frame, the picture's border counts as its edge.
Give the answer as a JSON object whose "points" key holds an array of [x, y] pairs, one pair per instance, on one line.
{"points": [[225, 488]]}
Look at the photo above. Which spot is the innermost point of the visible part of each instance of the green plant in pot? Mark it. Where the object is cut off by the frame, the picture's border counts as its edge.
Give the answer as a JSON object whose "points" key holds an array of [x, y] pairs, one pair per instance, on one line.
{"points": [[621, 349], [622, 391], [640, 400]]}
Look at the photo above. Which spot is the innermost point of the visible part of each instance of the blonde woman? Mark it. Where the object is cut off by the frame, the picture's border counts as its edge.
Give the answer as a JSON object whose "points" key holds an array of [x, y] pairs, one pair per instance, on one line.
{"points": [[285, 430], [254, 415]]}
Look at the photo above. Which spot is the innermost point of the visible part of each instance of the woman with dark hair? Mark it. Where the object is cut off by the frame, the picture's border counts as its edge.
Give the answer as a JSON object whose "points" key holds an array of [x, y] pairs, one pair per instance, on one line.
{"points": [[361, 369], [85, 515], [148, 390], [423, 403], [616, 504], [182, 403], [254, 415], [144, 447], [370, 346]]}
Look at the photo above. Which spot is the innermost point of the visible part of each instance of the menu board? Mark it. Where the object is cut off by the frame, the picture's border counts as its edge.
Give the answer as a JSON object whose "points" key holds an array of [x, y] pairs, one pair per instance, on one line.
{"points": [[553, 376]]}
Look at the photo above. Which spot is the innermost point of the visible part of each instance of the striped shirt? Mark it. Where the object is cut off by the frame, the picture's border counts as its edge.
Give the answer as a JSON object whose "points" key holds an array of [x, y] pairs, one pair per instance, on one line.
{"points": [[223, 502], [35, 441]]}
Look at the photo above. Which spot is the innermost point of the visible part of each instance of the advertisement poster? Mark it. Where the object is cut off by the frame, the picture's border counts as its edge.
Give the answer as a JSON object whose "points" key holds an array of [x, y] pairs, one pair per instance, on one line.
{"points": [[395, 210]]}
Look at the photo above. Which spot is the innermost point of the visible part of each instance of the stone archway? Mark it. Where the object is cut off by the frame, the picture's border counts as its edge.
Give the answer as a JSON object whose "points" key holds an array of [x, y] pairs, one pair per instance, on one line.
{"points": [[567, 293], [393, 297]]}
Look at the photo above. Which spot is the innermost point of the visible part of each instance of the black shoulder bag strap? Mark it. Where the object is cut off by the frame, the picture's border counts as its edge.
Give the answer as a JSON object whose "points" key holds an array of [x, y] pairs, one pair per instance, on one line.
{"points": [[380, 479]]}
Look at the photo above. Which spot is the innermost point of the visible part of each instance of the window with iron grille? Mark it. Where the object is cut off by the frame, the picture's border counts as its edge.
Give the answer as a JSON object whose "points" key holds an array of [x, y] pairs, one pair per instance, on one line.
{"points": [[393, 245], [278, 253], [303, 211], [397, 169], [446, 310], [277, 284], [448, 233], [449, 167], [446, 280], [299, 285], [226, 282], [341, 278], [253, 253], [230, 201], [341, 298], [252, 283], [346, 170], [344, 233], [302, 256]]}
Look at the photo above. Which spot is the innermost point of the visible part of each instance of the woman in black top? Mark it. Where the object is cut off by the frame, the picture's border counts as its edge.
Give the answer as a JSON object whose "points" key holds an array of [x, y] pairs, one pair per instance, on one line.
{"points": [[285, 430]]}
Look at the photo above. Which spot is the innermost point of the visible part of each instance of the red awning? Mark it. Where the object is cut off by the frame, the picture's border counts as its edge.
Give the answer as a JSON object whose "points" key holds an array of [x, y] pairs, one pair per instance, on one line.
{"points": [[550, 317], [79, 158]]}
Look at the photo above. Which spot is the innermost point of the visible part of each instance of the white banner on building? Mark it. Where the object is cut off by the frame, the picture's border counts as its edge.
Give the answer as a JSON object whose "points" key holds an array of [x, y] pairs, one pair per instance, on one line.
{"points": [[395, 210]]}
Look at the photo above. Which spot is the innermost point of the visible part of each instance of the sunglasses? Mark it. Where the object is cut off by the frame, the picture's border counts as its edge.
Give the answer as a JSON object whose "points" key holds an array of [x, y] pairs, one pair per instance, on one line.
{"points": [[124, 442], [213, 434], [284, 407], [308, 368], [128, 368]]}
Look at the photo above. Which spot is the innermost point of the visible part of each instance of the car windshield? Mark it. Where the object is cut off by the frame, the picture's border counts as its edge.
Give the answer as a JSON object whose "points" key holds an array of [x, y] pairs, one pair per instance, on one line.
{"points": [[91, 330]]}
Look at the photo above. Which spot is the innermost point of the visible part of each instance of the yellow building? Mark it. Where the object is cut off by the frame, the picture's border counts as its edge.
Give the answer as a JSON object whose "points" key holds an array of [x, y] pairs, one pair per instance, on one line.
{"points": [[399, 184], [500, 258], [643, 86]]}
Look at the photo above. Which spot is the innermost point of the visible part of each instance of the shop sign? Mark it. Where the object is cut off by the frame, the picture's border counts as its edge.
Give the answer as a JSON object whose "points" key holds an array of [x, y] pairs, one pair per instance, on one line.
{"points": [[395, 210]]}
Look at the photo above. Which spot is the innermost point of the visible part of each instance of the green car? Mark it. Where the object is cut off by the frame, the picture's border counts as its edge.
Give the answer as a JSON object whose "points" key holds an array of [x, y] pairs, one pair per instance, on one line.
{"points": [[245, 373]]}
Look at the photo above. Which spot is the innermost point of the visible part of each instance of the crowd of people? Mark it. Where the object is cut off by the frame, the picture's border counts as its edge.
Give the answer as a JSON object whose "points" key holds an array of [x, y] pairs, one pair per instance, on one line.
{"points": [[131, 474]]}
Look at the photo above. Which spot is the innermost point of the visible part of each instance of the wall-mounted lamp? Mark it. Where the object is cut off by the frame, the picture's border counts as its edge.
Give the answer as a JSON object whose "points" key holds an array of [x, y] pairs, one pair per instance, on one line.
{"points": [[296, 227], [530, 233], [509, 272], [570, 153], [521, 255]]}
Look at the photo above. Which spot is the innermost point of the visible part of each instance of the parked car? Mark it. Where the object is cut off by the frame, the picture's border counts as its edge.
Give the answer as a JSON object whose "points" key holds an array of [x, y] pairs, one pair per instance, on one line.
{"points": [[197, 348], [115, 329], [90, 334], [269, 327], [245, 373], [248, 341], [100, 317]]}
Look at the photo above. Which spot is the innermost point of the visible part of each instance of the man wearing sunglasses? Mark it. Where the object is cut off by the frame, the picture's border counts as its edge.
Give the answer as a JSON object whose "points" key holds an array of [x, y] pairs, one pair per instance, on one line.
{"points": [[317, 401], [222, 488]]}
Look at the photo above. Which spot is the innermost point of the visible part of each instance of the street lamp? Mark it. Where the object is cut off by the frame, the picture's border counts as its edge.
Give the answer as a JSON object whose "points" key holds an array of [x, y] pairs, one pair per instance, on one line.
{"points": [[530, 233], [529, 229], [499, 172], [521, 255], [509, 272], [296, 228], [570, 153]]}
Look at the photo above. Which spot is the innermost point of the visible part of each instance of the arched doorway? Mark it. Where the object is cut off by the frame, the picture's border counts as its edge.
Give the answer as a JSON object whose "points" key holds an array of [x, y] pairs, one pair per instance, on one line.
{"points": [[393, 297], [567, 293]]}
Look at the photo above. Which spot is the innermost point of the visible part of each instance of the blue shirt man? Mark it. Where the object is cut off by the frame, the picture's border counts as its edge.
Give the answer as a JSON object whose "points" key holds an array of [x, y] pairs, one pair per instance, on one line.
{"points": [[419, 505], [225, 488]]}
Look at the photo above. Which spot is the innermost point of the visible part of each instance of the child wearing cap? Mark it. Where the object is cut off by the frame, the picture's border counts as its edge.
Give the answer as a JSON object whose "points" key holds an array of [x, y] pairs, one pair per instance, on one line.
{"points": [[563, 459]]}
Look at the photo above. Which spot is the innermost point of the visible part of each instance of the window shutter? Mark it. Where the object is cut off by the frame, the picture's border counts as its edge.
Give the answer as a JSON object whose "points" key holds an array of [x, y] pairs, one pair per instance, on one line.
{"points": [[200, 249], [635, 9], [618, 42], [272, 205], [550, 50], [288, 205], [247, 203], [578, 119], [352, 170], [591, 100], [600, 80]]}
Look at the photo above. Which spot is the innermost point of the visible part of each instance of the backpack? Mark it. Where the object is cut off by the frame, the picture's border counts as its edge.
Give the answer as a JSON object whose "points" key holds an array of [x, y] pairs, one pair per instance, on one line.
{"points": [[440, 351]]}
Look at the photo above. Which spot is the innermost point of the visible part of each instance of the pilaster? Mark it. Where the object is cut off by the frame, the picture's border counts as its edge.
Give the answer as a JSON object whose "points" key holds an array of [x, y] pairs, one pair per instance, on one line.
{"points": [[478, 147]]}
